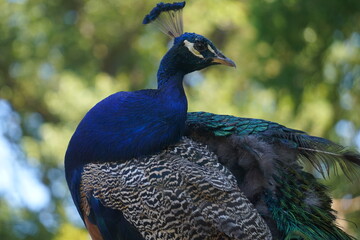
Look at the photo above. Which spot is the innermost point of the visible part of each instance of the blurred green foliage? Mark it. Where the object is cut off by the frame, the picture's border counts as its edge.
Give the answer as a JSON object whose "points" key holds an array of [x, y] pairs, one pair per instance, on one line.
{"points": [[298, 64]]}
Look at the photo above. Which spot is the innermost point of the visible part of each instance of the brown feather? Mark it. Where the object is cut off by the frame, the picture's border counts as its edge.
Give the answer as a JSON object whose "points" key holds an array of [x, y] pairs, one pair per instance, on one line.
{"points": [[92, 229]]}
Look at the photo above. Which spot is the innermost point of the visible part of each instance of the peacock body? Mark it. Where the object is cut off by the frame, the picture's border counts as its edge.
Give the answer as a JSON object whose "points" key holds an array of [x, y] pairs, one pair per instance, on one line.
{"points": [[140, 167]]}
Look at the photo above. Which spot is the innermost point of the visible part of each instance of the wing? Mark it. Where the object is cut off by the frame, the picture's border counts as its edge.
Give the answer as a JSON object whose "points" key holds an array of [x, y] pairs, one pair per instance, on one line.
{"points": [[264, 157], [102, 223], [181, 193]]}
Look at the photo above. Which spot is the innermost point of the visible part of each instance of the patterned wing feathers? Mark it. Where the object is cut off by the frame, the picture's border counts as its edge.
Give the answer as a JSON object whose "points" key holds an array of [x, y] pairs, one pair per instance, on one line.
{"points": [[181, 193]]}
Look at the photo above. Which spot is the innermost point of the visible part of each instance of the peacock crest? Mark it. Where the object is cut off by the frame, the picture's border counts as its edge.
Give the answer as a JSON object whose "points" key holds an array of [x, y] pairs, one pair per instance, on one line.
{"points": [[168, 17]]}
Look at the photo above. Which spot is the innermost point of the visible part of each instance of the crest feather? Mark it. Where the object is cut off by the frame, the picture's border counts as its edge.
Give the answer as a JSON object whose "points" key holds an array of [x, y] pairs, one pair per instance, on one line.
{"points": [[168, 17]]}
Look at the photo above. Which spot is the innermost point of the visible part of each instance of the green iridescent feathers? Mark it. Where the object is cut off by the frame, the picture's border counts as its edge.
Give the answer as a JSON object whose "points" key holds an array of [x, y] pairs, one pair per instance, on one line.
{"points": [[293, 200], [320, 152]]}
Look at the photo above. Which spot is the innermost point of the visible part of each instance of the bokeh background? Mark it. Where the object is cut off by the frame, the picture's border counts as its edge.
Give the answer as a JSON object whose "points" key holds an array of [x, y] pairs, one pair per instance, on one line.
{"points": [[298, 64]]}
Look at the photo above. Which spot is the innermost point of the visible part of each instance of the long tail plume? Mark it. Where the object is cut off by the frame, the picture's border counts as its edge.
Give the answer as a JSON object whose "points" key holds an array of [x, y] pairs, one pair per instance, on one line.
{"points": [[323, 153]]}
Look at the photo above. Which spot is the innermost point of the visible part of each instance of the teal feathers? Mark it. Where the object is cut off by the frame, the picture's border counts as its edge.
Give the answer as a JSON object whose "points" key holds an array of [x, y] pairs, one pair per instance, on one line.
{"points": [[266, 158], [302, 208], [320, 152]]}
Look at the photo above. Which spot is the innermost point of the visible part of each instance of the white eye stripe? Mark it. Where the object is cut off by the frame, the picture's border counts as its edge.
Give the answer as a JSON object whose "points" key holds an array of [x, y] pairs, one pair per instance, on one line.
{"points": [[211, 50], [191, 48]]}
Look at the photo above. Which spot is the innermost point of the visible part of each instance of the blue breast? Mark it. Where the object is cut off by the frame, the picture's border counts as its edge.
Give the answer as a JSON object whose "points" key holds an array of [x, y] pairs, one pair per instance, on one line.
{"points": [[128, 124]]}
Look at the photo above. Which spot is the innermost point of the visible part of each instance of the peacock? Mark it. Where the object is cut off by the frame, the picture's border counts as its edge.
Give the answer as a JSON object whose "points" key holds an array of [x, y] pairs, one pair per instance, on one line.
{"points": [[139, 166]]}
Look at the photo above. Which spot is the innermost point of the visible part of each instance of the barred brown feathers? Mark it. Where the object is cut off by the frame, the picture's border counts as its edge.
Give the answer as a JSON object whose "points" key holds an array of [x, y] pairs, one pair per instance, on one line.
{"points": [[181, 193]]}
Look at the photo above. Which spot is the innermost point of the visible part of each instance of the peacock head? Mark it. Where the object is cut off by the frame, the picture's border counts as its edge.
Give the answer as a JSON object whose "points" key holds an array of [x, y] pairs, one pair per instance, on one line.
{"points": [[190, 51], [193, 52]]}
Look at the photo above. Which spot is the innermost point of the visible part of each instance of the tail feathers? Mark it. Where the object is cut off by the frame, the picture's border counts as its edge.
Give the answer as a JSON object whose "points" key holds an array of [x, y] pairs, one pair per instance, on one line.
{"points": [[323, 154], [352, 157]]}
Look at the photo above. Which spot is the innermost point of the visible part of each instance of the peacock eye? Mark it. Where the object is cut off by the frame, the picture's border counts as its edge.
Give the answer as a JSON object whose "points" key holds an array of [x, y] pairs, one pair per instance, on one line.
{"points": [[200, 46]]}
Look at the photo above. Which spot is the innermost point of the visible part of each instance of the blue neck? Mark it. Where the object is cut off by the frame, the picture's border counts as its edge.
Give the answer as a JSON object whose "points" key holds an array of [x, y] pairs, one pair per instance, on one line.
{"points": [[132, 124], [169, 76]]}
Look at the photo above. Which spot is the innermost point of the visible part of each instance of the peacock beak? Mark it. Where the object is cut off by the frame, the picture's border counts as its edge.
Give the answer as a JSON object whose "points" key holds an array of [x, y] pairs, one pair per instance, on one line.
{"points": [[221, 59]]}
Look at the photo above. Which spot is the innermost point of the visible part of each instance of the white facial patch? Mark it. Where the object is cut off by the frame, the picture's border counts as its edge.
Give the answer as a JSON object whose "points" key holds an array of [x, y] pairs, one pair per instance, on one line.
{"points": [[211, 50], [191, 48]]}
